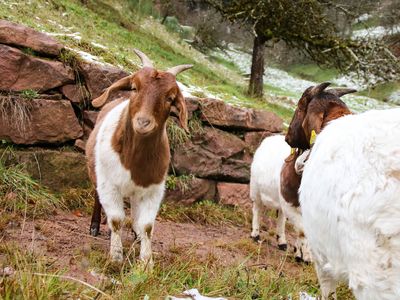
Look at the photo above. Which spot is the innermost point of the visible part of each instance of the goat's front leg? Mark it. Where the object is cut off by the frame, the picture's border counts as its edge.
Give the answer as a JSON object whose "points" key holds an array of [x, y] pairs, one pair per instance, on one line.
{"points": [[113, 205], [257, 210], [144, 212], [326, 282]]}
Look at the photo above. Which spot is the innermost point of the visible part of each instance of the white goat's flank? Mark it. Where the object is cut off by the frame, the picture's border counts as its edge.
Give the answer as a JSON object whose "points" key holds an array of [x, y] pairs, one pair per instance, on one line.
{"points": [[350, 200], [265, 191]]}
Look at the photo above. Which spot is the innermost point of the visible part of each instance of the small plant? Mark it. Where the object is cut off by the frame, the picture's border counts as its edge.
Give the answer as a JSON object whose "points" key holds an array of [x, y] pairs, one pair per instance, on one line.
{"points": [[176, 135], [182, 182], [29, 94]]}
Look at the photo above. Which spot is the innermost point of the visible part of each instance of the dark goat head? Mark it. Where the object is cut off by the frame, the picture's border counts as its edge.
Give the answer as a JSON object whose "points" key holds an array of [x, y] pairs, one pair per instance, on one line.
{"points": [[315, 108]]}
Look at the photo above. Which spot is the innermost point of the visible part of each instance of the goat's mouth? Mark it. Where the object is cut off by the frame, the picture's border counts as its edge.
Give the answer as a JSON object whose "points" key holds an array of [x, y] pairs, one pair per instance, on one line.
{"points": [[144, 131]]}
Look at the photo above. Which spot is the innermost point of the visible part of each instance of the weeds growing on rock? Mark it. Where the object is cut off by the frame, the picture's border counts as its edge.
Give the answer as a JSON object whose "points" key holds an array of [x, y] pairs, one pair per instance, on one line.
{"points": [[17, 110]]}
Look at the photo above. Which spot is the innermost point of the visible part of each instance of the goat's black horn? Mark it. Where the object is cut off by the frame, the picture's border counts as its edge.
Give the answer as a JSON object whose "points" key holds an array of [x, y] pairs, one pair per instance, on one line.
{"points": [[339, 92]]}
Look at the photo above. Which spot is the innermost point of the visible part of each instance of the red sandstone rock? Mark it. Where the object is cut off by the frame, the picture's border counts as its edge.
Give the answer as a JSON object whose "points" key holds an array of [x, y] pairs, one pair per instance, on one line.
{"points": [[20, 35], [44, 121], [22, 72], [236, 194], [217, 112]]}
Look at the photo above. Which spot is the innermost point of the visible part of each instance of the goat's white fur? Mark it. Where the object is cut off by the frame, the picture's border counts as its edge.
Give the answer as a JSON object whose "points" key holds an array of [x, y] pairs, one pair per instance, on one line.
{"points": [[350, 200], [114, 183], [265, 191]]}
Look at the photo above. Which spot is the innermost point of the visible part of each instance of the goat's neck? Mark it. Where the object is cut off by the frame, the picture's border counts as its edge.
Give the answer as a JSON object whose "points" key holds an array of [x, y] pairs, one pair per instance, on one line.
{"points": [[146, 157], [335, 112]]}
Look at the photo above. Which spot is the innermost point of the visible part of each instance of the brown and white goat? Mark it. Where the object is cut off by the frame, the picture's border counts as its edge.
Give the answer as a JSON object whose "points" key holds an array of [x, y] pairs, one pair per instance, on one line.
{"points": [[128, 152], [315, 109]]}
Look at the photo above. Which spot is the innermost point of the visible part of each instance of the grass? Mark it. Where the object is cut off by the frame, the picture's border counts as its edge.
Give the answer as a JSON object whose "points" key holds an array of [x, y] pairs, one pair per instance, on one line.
{"points": [[17, 110], [312, 72], [205, 212], [34, 278], [382, 91], [20, 194]]}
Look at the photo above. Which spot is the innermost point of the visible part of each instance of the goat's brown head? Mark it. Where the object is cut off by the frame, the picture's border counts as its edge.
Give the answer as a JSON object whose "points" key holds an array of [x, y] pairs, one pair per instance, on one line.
{"points": [[315, 107], [154, 93]]}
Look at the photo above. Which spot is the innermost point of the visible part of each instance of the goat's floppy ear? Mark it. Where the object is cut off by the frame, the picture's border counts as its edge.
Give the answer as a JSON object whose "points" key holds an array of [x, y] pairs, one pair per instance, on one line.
{"points": [[123, 83], [180, 104], [312, 122]]}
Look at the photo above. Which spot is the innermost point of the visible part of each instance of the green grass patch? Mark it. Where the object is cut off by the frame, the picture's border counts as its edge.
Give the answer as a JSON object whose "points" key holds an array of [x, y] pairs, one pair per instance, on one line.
{"points": [[381, 91], [22, 195], [205, 212], [312, 72], [32, 277]]}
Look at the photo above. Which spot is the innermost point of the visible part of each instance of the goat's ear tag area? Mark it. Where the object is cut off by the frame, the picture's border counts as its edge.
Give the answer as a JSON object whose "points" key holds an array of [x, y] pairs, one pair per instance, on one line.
{"points": [[292, 151], [313, 137]]}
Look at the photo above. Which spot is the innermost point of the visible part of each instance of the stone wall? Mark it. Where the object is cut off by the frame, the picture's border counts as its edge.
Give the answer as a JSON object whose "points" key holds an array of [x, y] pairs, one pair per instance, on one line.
{"points": [[45, 109]]}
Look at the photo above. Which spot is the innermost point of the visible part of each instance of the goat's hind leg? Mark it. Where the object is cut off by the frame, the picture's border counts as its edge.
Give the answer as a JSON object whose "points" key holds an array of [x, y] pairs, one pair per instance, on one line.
{"points": [[96, 216], [280, 227]]}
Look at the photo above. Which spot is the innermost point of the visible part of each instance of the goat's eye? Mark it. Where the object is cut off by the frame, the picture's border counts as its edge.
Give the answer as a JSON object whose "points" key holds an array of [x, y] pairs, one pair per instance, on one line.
{"points": [[170, 99]]}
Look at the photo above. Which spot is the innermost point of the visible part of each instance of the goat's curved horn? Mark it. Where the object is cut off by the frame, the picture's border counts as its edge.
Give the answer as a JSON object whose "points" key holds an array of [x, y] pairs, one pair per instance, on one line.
{"points": [[319, 88], [146, 62], [339, 92], [177, 69]]}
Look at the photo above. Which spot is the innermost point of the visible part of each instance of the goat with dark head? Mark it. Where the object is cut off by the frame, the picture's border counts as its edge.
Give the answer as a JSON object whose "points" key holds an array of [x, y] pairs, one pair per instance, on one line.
{"points": [[128, 151], [316, 107]]}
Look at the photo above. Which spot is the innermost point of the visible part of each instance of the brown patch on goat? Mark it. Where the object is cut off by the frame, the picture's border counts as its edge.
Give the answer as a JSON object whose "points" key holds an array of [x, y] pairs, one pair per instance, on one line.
{"points": [[148, 229], [315, 109], [320, 111], [116, 225], [290, 181], [147, 156]]}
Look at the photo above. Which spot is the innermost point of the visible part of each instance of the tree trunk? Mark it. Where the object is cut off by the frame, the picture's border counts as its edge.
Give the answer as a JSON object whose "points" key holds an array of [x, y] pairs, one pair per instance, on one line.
{"points": [[257, 67]]}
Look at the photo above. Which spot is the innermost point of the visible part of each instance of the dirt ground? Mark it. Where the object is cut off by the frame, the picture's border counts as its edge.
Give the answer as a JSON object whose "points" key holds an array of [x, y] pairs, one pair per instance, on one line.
{"points": [[64, 240]]}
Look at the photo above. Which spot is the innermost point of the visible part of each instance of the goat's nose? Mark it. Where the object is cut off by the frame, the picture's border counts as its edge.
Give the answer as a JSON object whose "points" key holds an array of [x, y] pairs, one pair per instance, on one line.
{"points": [[143, 122]]}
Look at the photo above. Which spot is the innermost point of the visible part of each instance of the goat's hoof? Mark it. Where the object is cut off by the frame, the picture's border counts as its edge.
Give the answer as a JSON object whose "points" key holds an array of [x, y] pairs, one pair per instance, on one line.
{"points": [[282, 247], [94, 229], [298, 259], [301, 260], [256, 238]]}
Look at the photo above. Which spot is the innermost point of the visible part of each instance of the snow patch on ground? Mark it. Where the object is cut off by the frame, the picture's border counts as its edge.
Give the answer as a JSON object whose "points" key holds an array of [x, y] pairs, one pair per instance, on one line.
{"points": [[375, 32], [294, 87]]}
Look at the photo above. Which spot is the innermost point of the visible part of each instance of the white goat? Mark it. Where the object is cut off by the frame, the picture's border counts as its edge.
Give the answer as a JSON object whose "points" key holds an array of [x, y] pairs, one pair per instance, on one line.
{"points": [[350, 200], [265, 190]]}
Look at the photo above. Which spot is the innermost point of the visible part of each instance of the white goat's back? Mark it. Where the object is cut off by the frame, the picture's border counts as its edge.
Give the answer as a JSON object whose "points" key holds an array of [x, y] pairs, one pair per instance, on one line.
{"points": [[350, 200], [266, 170]]}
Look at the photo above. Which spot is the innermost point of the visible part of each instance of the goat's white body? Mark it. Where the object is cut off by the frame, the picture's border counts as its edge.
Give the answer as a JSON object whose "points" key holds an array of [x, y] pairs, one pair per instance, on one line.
{"points": [[350, 200], [265, 190], [114, 182]]}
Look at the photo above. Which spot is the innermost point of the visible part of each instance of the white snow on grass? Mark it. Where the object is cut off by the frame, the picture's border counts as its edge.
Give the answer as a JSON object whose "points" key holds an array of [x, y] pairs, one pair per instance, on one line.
{"points": [[375, 32], [293, 87]]}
